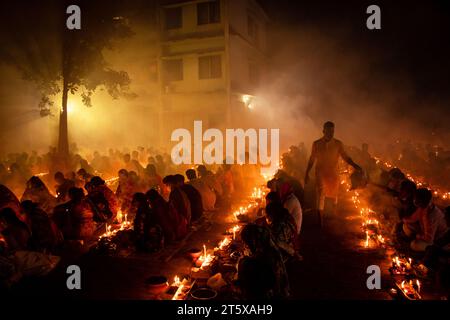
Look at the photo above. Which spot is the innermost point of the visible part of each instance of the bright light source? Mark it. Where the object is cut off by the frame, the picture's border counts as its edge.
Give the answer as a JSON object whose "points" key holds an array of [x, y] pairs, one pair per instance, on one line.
{"points": [[248, 101], [70, 107]]}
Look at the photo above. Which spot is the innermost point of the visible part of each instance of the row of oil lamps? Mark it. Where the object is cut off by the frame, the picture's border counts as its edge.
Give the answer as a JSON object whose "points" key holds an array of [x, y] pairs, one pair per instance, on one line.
{"points": [[373, 239], [437, 192], [207, 257]]}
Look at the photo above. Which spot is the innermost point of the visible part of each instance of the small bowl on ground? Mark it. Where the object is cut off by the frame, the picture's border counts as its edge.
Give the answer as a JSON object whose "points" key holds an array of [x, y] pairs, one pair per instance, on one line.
{"points": [[204, 294], [157, 284], [194, 253]]}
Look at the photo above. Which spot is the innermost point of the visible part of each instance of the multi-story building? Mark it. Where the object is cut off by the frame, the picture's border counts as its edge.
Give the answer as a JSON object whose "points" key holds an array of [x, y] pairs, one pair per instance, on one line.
{"points": [[211, 59]]}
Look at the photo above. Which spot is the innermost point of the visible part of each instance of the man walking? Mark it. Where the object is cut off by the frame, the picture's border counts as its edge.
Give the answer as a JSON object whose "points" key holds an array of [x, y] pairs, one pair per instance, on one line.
{"points": [[325, 154]]}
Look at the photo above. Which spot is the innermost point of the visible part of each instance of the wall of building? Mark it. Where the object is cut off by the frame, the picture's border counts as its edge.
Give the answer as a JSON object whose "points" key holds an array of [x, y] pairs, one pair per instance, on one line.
{"points": [[244, 50]]}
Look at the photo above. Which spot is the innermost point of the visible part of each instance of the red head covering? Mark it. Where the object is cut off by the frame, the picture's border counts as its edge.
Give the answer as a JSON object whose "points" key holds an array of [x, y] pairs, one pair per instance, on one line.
{"points": [[285, 191]]}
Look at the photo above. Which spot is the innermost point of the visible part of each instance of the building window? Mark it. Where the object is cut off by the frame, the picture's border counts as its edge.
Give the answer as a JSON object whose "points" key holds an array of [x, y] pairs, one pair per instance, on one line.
{"points": [[210, 67], [173, 70], [252, 28], [208, 12], [173, 18], [254, 74]]}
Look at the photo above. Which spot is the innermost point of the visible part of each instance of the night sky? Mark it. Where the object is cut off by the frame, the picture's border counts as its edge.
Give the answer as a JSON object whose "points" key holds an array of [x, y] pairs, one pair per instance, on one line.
{"points": [[414, 39]]}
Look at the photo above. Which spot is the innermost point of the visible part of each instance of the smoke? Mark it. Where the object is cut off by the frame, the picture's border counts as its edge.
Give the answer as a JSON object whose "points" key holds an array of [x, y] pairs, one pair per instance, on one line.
{"points": [[330, 72], [320, 69]]}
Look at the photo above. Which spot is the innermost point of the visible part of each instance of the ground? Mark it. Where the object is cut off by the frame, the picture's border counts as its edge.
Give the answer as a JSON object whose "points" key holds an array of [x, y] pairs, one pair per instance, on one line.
{"points": [[334, 266]]}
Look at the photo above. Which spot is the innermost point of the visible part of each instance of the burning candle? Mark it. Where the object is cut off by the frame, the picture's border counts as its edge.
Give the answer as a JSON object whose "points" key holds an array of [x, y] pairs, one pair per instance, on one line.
{"points": [[176, 281], [204, 251], [367, 239], [119, 216], [225, 242]]}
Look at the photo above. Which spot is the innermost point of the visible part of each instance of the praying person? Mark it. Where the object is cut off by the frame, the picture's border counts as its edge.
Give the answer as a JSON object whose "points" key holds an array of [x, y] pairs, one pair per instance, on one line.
{"points": [[440, 250], [150, 236], [44, 234], [261, 274], [125, 190], [292, 204], [62, 187], [37, 192], [282, 228], [15, 232], [208, 196], [178, 198], [427, 224], [173, 224], [194, 196], [75, 218]]}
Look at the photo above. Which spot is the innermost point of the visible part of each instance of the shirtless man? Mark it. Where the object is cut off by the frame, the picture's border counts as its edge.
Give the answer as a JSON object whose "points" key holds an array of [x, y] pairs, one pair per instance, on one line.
{"points": [[325, 153]]}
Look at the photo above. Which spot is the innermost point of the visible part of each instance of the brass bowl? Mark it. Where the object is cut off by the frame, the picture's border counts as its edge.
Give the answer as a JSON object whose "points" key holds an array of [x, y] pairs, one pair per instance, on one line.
{"points": [[157, 285], [194, 253]]}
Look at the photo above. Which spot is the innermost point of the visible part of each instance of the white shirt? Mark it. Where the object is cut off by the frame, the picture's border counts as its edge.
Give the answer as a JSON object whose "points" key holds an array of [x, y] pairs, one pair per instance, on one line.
{"points": [[295, 209]]}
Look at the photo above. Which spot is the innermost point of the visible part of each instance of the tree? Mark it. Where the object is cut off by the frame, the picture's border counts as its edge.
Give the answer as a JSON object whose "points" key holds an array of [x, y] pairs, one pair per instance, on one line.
{"points": [[35, 40]]}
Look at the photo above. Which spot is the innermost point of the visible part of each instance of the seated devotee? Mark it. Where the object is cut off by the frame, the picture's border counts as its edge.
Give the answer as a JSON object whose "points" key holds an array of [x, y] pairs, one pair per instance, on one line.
{"points": [[271, 197], [282, 177], [82, 177], [62, 187], [292, 204], [194, 196], [211, 181], [427, 224], [178, 198], [132, 164], [125, 190], [9, 200], [136, 182], [151, 179], [44, 236], [149, 233], [38, 193], [75, 218], [82, 163], [282, 227], [438, 254], [227, 180], [161, 166], [396, 176], [261, 274], [173, 224], [208, 196], [15, 232], [103, 201], [294, 162], [406, 198], [404, 206]]}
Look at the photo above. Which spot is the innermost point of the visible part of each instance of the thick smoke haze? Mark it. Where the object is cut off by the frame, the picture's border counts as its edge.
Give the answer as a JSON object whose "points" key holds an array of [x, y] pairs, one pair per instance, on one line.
{"points": [[377, 86]]}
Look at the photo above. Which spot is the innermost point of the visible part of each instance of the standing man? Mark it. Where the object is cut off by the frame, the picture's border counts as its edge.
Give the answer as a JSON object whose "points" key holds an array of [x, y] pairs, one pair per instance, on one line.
{"points": [[325, 153]]}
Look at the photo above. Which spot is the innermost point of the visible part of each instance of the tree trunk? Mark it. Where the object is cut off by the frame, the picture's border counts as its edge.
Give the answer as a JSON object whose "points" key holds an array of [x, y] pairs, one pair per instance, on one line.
{"points": [[63, 140]]}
